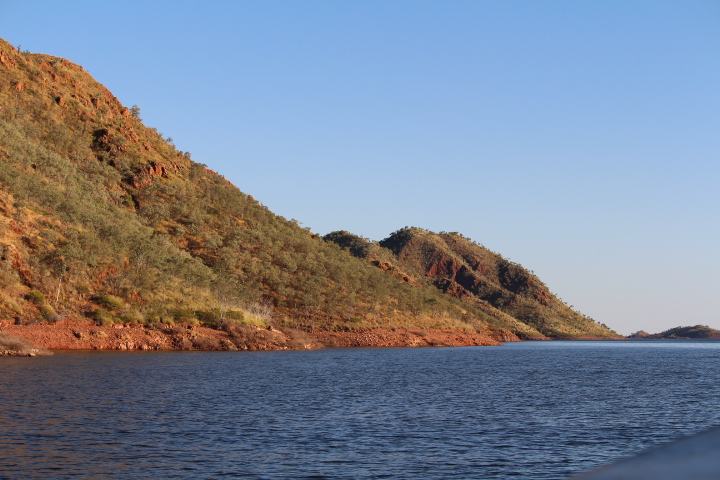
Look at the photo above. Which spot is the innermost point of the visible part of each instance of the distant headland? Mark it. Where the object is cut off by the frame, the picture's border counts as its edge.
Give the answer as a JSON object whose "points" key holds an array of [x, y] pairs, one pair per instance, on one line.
{"points": [[698, 331]]}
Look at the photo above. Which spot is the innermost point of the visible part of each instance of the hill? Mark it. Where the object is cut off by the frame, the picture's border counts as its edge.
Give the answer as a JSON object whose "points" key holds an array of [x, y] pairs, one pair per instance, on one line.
{"points": [[698, 331], [103, 219], [511, 296]]}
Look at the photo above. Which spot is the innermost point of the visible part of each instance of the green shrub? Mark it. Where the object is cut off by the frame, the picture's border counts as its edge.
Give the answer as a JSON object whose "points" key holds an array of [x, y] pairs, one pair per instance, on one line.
{"points": [[35, 297], [102, 317], [236, 315], [183, 316], [157, 318], [210, 318], [132, 316], [11, 305], [109, 302], [104, 322]]}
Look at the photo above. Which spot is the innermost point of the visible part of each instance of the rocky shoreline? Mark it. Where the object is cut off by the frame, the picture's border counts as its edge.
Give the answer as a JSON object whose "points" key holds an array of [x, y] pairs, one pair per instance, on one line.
{"points": [[403, 338], [14, 346], [24, 340]]}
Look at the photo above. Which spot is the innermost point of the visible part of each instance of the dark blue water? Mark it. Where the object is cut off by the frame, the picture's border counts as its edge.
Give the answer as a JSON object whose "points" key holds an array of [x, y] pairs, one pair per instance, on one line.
{"points": [[534, 410]]}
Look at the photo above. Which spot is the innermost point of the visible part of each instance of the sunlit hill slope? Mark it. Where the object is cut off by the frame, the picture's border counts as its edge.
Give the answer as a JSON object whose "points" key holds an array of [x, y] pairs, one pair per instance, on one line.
{"points": [[103, 219]]}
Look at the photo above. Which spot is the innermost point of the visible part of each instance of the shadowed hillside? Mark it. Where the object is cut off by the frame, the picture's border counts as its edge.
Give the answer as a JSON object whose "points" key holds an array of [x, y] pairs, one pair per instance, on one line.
{"points": [[514, 297], [102, 218]]}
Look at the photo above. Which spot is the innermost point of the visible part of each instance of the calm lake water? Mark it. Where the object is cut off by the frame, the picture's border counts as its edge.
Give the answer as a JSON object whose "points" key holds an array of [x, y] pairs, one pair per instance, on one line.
{"points": [[532, 410]]}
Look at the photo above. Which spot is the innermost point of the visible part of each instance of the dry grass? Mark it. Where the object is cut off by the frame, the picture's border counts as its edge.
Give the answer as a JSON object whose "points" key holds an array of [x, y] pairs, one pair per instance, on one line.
{"points": [[11, 345]]}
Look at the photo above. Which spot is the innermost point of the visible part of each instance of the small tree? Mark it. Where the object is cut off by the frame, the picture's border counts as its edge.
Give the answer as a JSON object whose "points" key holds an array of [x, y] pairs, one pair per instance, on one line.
{"points": [[135, 112]]}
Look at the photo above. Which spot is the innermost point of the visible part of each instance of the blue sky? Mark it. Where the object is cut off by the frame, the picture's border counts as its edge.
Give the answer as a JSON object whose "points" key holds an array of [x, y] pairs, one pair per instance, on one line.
{"points": [[580, 139]]}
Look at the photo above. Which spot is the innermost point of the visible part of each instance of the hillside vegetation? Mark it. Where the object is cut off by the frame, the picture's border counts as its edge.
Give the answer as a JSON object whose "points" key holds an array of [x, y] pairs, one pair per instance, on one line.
{"points": [[103, 218], [697, 331], [510, 295]]}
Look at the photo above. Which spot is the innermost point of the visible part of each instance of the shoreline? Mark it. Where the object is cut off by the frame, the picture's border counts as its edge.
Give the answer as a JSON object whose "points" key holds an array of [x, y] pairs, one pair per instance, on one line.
{"points": [[86, 335], [42, 338]]}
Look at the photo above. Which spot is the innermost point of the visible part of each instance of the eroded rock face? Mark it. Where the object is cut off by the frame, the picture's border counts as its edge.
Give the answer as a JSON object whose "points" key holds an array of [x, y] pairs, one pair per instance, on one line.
{"points": [[7, 60], [461, 269], [393, 270], [147, 175], [465, 270]]}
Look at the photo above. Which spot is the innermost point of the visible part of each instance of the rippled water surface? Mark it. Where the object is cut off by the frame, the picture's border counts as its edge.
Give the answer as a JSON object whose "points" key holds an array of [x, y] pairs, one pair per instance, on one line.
{"points": [[533, 410]]}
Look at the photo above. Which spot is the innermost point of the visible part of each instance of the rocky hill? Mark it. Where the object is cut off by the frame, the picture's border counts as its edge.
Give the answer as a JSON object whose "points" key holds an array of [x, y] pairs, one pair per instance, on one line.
{"points": [[510, 295], [102, 219], [698, 331]]}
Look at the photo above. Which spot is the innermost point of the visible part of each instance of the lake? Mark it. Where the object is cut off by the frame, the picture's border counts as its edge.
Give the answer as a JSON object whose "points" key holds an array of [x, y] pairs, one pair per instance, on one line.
{"points": [[531, 410]]}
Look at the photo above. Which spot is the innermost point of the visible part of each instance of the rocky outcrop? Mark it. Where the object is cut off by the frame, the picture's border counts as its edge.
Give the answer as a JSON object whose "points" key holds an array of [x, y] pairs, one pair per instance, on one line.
{"points": [[467, 271], [16, 339], [13, 346], [403, 338], [6, 60], [88, 336], [147, 175], [515, 301]]}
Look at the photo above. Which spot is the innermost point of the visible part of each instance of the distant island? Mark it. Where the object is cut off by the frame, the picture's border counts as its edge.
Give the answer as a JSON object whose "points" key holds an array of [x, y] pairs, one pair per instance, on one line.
{"points": [[698, 331], [111, 238]]}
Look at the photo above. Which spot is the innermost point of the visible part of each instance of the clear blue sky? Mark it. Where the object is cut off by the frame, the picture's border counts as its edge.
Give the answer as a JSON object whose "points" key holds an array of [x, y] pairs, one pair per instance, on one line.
{"points": [[578, 138]]}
